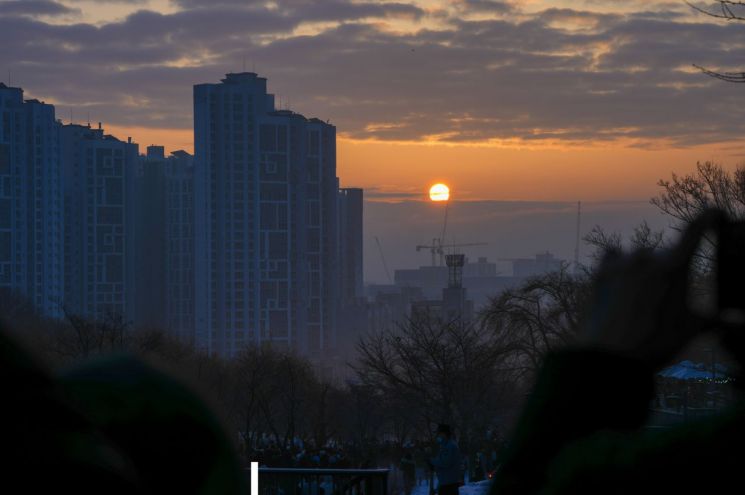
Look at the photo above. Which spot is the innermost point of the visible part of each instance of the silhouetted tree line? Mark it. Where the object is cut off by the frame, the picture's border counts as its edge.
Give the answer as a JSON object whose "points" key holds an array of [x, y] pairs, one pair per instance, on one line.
{"points": [[428, 371], [274, 404]]}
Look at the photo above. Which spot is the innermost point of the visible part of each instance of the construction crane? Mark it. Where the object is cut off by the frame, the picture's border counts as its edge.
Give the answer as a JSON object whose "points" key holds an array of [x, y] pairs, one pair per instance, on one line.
{"points": [[382, 257], [437, 248]]}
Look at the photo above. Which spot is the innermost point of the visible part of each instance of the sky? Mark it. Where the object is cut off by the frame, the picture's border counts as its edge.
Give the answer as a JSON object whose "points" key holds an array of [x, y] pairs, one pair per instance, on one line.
{"points": [[540, 102]]}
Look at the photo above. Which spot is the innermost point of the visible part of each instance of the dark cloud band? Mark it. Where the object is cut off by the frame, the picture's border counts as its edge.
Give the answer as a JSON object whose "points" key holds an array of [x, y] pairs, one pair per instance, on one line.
{"points": [[559, 74]]}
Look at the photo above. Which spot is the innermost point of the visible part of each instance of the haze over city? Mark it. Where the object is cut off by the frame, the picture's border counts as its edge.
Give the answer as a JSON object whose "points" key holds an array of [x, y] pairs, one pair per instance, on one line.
{"points": [[474, 93], [360, 247]]}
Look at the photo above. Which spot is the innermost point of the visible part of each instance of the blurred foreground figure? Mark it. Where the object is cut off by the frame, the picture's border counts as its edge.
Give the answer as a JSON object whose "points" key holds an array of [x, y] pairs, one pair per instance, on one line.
{"points": [[110, 426], [581, 429], [447, 463]]}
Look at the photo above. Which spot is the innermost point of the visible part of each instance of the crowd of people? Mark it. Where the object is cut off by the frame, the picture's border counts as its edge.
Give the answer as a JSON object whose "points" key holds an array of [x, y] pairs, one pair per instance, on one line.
{"points": [[299, 457], [299, 453], [411, 464]]}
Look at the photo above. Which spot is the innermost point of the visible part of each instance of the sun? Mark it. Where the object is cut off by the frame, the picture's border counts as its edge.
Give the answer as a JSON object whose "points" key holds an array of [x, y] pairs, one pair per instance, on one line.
{"points": [[439, 192]]}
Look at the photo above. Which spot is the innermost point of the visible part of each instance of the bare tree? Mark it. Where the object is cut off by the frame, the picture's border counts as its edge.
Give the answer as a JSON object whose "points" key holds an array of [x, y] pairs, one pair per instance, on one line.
{"points": [[537, 317], [367, 413], [19, 316], [439, 371], [83, 337], [684, 198], [248, 375], [604, 242], [710, 186], [278, 393], [17, 310], [729, 11]]}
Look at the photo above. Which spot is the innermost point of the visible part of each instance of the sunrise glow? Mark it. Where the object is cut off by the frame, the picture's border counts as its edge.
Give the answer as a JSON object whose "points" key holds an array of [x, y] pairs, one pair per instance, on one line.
{"points": [[439, 192]]}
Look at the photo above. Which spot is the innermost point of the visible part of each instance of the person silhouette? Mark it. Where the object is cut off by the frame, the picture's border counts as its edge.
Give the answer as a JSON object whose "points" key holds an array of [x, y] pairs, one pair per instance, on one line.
{"points": [[447, 462], [581, 429]]}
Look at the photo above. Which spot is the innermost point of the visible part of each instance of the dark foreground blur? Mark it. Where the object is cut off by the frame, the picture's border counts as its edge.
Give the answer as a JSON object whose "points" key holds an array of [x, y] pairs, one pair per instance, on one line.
{"points": [[115, 424], [582, 430]]}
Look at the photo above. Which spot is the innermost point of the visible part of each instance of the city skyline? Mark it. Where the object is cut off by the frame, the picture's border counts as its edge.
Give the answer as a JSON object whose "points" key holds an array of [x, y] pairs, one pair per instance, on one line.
{"points": [[403, 220], [521, 206], [250, 240], [143, 234], [550, 101], [372, 247]]}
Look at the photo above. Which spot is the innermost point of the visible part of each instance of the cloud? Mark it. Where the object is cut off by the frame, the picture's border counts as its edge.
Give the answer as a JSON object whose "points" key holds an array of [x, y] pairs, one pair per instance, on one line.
{"points": [[393, 71], [34, 8], [391, 193], [492, 6], [311, 10]]}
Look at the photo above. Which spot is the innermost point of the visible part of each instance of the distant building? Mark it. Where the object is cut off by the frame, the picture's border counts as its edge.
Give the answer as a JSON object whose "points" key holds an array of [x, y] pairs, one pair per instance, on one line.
{"points": [[540, 264], [151, 241], [180, 302], [431, 279], [351, 305], [164, 259], [99, 173], [350, 244], [481, 268], [389, 305], [479, 278], [265, 221], [31, 202], [453, 306]]}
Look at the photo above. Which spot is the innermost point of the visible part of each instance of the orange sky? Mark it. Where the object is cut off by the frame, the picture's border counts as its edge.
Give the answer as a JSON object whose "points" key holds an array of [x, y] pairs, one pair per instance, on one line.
{"points": [[591, 91], [545, 173], [558, 74]]}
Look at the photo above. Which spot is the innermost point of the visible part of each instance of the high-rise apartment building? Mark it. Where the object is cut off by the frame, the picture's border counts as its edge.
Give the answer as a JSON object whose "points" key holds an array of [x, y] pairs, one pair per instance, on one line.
{"points": [[265, 221], [99, 173], [249, 241], [164, 238], [352, 310], [180, 301], [150, 256], [351, 285], [31, 205]]}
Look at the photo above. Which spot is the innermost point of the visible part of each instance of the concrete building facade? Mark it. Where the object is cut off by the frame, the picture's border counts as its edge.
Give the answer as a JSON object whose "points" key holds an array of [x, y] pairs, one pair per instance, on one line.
{"points": [[352, 304], [179, 286], [164, 239], [99, 173], [31, 202], [265, 221]]}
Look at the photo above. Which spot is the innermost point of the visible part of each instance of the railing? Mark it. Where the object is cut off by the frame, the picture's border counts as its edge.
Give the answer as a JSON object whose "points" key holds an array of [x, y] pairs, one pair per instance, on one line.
{"points": [[301, 481]]}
